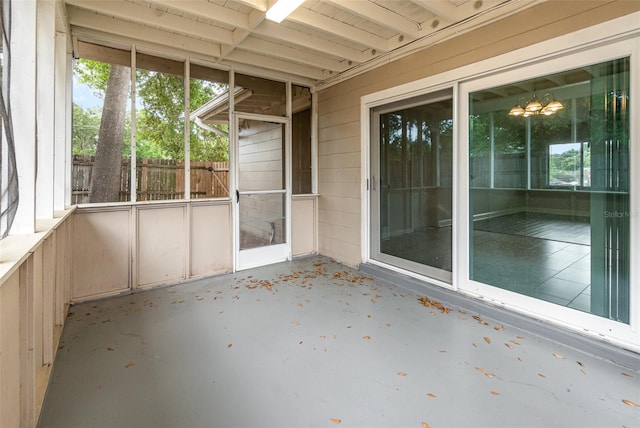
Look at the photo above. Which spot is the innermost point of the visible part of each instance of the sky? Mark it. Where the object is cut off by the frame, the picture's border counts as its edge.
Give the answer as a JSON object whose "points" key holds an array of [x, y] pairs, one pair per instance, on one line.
{"points": [[84, 97]]}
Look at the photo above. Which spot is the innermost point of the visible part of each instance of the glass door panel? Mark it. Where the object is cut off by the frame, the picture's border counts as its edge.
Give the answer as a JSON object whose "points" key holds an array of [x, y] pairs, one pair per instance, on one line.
{"points": [[261, 192], [558, 229], [411, 185]]}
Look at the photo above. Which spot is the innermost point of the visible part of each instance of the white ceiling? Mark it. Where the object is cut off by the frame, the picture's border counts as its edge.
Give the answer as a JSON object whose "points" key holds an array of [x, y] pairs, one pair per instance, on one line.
{"points": [[317, 43]]}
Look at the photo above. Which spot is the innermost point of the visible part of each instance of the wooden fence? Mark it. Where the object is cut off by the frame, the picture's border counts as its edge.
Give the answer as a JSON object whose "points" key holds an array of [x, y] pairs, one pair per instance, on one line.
{"points": [[156, 179]]}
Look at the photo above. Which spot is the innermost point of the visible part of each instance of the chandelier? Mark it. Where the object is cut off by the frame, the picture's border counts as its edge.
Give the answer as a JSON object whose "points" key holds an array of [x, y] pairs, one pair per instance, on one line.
{"points": [[547, 105]]}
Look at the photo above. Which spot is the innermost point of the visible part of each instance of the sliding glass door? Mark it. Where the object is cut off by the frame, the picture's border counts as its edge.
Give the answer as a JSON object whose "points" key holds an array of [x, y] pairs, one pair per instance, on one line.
{"points": [[410, 184], [549, 188]]}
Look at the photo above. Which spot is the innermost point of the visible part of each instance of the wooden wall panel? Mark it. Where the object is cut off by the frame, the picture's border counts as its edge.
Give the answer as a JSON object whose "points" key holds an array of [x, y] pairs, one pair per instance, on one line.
{"points": [[101, 252], [161, 244], [10, 352], [303, 229], [211, 240], [339, 105]]}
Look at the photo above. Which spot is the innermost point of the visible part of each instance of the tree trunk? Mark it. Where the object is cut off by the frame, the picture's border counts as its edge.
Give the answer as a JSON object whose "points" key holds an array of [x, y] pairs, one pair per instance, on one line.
{"points": [[106, 174]]}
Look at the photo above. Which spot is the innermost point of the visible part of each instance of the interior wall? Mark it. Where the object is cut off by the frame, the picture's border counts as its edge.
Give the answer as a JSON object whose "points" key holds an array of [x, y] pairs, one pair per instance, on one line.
{"points": [[339, 182]]}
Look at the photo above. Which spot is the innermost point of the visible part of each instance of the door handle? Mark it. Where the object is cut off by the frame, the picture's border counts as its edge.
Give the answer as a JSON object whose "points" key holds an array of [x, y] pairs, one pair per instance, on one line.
{"points": [[237, 196]]}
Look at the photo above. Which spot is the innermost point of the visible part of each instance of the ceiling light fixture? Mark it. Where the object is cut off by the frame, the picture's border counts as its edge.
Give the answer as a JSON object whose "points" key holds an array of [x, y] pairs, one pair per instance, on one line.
{"points": [[281, 9], [546, 106]]}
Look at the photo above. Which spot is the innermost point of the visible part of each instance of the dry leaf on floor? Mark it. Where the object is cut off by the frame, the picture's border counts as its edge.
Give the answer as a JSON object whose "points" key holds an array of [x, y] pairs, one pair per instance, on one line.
{"points": [[481, 370], [558, 356], [229, 345], [474, 345], [626, 374], [499, 328], [541, 375], [109, 348], [425, 425], [388, 324], [366, 337], [508, 345], [580, 363], [495, 393], [402, 374], [432, 304], [336, 420], [296, 323], [130, 364], [431, 395], [486, 339], [630, 403]]}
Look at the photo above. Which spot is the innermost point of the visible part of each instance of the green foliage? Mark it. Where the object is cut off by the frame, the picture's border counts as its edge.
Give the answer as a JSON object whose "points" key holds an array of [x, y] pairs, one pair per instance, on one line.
{"points": [[93, 73], [86, 125], [159, 117]]}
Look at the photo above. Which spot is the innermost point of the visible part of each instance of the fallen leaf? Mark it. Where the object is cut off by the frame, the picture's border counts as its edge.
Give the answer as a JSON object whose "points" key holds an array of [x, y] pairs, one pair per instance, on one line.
{"points": [[630, 403], [626, 374], [323, 337], [299, 305], [508, 345], [366, 337], [130, 364], [402, 374], [580, 363], [109, 348], [296, 323], [486, 339], [499, 328], [431, 395], [495, 393], [425, 425], [442, 350], [541, 375], [474, 345], [230, 345], [336, 420], [481, 370], [431, 303], [558, 356], [199, 298], [388, 324]]}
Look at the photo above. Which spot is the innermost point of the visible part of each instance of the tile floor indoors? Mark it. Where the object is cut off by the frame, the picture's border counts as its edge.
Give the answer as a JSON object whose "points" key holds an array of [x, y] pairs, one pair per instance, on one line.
{"points": [[312, 343]]}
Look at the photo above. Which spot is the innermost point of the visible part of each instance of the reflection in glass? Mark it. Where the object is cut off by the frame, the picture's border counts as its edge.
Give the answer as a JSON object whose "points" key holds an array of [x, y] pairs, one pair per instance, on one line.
{"points": [[415, 184], [549, 195]]}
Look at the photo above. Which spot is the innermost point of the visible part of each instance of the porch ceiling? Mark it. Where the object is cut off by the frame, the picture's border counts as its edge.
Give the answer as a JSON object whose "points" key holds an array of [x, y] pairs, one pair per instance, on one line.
{"points": [[318, 42]]}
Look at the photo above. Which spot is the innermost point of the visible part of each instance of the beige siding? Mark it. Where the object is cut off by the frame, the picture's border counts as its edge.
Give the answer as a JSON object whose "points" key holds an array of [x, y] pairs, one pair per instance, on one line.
{"points": [[339, 106]]}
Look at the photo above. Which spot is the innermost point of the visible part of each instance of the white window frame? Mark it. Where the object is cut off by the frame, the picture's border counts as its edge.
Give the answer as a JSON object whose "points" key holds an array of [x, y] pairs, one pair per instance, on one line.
{"points": [[606, 41]]}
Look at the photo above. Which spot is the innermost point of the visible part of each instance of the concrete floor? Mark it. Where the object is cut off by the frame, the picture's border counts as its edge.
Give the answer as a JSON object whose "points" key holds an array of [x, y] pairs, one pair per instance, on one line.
{"points": [[313, 343]]}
